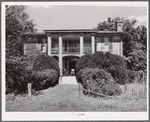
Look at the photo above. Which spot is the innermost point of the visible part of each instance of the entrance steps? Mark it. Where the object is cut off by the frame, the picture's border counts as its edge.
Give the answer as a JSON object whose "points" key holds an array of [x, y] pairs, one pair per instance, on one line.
{"points": [[68, 80]]}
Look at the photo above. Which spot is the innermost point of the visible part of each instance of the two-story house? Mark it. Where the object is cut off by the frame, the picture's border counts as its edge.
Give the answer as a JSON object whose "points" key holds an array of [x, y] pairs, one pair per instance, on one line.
{"points": [[66, 46]]}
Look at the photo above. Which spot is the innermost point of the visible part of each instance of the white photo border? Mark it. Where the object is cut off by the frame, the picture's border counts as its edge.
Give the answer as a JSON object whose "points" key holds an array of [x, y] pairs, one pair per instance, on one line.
{"points": [[51, 116]]}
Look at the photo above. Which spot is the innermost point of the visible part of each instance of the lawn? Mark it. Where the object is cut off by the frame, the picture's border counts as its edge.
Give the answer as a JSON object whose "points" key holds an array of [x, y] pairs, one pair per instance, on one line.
{"points": [[66, 98]]}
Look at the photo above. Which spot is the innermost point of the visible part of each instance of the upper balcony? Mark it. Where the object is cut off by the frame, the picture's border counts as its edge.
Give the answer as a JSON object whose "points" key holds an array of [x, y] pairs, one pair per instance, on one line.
{"points": [[71, 50]]}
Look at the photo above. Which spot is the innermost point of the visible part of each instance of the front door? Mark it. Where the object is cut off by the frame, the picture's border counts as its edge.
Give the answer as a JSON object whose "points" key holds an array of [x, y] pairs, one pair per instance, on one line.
{"points": [[69, 65], [72, 67]]}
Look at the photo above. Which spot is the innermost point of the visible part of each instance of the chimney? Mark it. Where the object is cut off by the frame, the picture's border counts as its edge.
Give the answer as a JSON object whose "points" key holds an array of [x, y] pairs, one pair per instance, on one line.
{"points": [[119, 26]]}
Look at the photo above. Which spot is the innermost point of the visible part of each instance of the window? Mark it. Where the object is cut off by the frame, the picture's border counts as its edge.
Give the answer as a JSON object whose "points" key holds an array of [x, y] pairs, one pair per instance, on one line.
{"points": [[116, 38], [108, 46], [106, 40]]}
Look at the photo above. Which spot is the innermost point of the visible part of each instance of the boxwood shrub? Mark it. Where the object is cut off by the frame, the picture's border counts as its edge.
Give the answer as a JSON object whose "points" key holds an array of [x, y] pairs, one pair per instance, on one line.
{"points": [[44, 79], [82, 62], [111, 63], [45, 73], [106, 60], [99, 81], [97, 60], [45, 62], [119, 74]]}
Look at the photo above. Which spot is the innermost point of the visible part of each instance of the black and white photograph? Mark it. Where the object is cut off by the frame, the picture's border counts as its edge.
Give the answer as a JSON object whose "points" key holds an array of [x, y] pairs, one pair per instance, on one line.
{"points": [[75, 60]]}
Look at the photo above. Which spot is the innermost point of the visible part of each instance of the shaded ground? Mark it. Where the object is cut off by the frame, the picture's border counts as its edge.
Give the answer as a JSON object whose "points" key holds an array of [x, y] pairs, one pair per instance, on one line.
{"points": [[66, 98]]}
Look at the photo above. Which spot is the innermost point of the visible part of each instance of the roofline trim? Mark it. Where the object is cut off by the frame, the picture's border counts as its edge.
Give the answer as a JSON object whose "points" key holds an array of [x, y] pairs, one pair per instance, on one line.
{"points": [[109, 32], [71, 30]]}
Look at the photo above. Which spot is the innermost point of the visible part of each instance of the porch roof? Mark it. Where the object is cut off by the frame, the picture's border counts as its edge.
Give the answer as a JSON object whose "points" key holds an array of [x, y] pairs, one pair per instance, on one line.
{"points": [[72, 31], [109, 32]]}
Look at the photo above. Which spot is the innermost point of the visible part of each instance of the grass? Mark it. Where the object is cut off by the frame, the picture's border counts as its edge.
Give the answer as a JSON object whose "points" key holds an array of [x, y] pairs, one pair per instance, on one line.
{"points": [[66, 98]]}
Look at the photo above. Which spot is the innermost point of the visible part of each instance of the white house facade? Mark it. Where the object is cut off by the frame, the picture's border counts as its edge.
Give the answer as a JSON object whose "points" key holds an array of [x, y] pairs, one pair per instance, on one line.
{"points": [[66, 46]]}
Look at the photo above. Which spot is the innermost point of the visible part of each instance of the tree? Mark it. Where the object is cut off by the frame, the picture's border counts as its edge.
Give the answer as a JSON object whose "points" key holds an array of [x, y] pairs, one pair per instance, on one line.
{"points": [[109, 25], [17, 24], [134, 41], [137, 57]]}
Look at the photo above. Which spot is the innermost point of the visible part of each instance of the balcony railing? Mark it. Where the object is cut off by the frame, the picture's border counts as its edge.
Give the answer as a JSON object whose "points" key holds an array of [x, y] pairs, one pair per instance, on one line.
{"points": [[87, 50], [71, 49], [55, 50], [68, 50]]}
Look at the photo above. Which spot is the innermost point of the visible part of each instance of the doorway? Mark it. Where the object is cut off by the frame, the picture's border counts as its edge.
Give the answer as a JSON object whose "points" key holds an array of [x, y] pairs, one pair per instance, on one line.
{"points": [[69, 65], [72, 67]]}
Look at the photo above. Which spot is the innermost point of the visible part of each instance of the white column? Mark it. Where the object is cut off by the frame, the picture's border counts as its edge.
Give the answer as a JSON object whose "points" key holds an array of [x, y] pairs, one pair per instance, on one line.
{"points": [[60, 53], [93, 43], [81, 45], [68, 67], [121, 48], [49, 45]]}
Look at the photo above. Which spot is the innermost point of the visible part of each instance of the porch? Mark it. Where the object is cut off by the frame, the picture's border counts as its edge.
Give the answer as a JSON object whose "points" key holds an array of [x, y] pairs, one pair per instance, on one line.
{"points": [[71, 50]]}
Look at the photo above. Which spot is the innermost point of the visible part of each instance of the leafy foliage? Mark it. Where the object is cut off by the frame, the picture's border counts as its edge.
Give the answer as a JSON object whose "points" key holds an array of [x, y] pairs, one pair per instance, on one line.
{"points": [[97, 80], [44, 79], [105, 60], [16, 77], [45, 62], [134, 41], [97, 60], [119, 74], [137, 60], [82, 62], [32, 53], [17, 24], [111, 63], [45, 72], [131, 75]]}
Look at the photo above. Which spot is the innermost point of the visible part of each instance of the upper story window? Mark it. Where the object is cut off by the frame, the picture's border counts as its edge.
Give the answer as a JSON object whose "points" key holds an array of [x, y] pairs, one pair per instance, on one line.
{"points": [[116, 38], [106, 40]]}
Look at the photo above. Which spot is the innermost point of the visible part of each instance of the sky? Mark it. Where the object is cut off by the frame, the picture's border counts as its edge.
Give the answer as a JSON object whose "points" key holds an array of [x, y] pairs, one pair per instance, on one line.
{"points": [[83, 16]]}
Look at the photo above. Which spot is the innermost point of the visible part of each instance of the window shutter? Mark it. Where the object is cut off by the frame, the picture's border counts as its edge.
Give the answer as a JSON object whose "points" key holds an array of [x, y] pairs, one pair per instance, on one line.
{"points": [[106, 40], [110, 47], [106, 44], [98, 46]]}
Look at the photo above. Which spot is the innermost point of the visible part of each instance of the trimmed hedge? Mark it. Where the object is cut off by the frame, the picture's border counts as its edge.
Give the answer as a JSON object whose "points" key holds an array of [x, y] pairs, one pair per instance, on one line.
{"points": [[97, 60], [82, 62], [106, 60], [111, 63], [97, 80], [45, 74], [101, 60], [45, 62], [44, 79], [119, 74]]}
